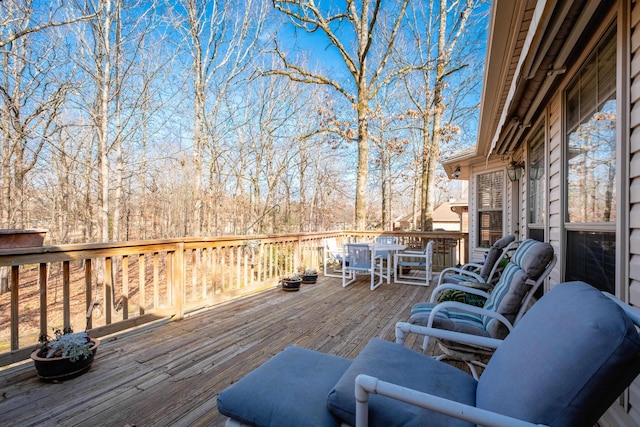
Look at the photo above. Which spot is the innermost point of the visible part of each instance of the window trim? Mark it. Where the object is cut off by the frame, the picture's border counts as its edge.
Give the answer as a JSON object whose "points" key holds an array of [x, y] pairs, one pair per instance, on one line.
{"points": [[476, 241]]}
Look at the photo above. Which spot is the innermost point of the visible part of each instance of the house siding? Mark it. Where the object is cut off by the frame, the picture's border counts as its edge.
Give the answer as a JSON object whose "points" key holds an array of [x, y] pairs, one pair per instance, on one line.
{"points": [[555, 183], [634, 167], [625, 411]]}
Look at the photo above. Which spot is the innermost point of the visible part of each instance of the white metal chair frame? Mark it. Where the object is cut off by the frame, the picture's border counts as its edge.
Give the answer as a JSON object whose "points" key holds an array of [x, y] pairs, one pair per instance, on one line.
{"points": [[361, 258], [414, 259], [332, 255], [469, 353], [469, 270], [366, 384]]}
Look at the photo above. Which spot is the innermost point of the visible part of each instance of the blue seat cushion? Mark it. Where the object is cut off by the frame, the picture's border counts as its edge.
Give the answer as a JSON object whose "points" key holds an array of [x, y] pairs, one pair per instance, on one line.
{"points": [[450, 319], [400, 365], [290, 389], [566, 361]]}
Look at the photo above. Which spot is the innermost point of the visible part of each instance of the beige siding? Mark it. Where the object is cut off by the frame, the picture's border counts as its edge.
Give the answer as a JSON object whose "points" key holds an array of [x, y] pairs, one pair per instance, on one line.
{"points": [[555, 183], [634, 161]]}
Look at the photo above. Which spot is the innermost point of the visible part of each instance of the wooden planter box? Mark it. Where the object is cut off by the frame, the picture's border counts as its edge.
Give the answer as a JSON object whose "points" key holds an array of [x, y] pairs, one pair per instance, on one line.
{"points": [[13, 238]]}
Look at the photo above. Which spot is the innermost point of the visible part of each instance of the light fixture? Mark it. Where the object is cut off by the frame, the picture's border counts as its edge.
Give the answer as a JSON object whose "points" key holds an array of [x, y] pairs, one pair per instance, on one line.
{"points": [[456, 173], [514, 171], [536, 171]]}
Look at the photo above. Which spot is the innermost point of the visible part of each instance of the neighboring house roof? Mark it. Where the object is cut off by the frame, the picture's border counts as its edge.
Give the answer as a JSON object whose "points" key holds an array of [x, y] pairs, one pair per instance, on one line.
{"points": [[443, 213]]}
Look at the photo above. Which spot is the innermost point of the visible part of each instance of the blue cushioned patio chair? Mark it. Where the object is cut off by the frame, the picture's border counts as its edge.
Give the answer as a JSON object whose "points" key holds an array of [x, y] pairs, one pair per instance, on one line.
{"points": [[333, 258], [564, 364], [362, 259], [482, 275], [416, 261], [503, 308]]}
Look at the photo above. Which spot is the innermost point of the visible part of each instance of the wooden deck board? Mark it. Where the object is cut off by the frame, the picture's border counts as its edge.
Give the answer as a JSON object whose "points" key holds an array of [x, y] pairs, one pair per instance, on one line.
{"points": [[170, 373]]}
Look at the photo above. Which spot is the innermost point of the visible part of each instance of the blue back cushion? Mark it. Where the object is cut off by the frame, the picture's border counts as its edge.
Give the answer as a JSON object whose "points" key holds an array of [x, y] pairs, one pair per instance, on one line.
{"points": [[494, 254], [524, 268], [566, 362]]}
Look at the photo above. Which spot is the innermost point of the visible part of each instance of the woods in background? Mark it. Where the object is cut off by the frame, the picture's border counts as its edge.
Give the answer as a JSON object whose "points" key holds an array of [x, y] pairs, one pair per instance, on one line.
{"points": [[126, 120]]}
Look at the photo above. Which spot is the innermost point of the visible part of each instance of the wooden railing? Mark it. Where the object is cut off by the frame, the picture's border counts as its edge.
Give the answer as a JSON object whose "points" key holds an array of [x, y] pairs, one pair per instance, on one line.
{"points": [[106, 288]]}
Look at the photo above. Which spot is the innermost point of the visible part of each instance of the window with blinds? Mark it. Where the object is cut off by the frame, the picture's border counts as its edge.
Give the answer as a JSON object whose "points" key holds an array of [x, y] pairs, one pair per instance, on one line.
{"points": [[591, 137], [590, 211], [489, 200]]}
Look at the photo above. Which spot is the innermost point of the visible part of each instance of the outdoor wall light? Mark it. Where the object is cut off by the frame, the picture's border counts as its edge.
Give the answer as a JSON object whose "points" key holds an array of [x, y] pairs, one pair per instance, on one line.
{"points": [[514, 171], [456, 173]]}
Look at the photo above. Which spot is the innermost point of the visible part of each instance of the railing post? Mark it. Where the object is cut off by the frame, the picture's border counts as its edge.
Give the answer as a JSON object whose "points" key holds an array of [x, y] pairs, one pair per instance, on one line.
{"points": [[178, 280]]}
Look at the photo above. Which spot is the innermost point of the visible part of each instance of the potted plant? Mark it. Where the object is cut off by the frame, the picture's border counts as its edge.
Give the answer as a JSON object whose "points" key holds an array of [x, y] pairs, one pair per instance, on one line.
{"points": [[291, 283], [66, 356], [309, 276]]}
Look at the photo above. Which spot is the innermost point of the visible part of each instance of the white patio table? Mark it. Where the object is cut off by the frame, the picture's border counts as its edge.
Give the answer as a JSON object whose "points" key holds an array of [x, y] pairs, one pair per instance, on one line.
{"points": [[390, 249]]}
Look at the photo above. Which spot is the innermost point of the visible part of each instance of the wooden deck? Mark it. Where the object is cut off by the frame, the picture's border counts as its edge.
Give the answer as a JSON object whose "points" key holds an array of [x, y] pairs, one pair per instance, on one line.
{"points": [[170, 373]]}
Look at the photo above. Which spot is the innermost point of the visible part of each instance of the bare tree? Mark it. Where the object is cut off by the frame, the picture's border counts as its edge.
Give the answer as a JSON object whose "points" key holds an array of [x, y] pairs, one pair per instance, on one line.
{"points": [[221, 37], [358, 44], [30, 100], [440, 58]]}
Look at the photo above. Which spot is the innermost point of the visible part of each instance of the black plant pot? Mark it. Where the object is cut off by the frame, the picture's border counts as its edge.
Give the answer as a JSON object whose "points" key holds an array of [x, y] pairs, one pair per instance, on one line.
{"points": [[61, 368], [404, 269], [291, 285], [310, 278]]}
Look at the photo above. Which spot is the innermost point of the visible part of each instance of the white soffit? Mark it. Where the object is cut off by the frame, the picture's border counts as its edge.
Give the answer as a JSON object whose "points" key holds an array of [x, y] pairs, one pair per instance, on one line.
{"points": [[536, 21]]}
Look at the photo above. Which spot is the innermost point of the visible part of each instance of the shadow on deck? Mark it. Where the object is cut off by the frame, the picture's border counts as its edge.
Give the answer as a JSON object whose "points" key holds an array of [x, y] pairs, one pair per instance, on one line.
{"points": [[170, 373]]}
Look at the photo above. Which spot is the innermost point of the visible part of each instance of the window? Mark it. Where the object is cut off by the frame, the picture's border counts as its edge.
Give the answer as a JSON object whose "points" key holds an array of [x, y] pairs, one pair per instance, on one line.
{"points": [[591, 138], [489, 200], [590, 102], [536, 183]]}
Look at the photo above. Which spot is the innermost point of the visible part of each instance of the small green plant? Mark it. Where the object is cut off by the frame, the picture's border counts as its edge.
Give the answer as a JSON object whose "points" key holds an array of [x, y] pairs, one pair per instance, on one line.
{"points": [[310, 272], [292, 278], [71, 345]]}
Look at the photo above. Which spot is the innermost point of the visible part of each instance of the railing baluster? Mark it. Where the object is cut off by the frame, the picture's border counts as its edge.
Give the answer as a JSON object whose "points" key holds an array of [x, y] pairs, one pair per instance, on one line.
{"points": [[108, 288], [88, 291], [42, 281], [156, 279], [66, 297], [142, 284], [15, 299], [125, 287]]}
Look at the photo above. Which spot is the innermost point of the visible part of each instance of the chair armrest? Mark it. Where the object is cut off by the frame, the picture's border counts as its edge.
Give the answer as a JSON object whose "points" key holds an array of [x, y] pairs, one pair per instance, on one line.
{"points": [[365, 384], [411, 255], [404, 328], [445, 286], [472, 265], [461, 272], [470, 309]]}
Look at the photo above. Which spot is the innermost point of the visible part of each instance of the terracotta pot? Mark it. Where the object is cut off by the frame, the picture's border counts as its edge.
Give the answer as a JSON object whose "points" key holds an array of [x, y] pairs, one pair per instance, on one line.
{"points": [[61, 368]]}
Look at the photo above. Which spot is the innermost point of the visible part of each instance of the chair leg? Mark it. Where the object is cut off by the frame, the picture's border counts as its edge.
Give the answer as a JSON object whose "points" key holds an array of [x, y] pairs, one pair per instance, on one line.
{"points": [[380, 274], [351, 276]]}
